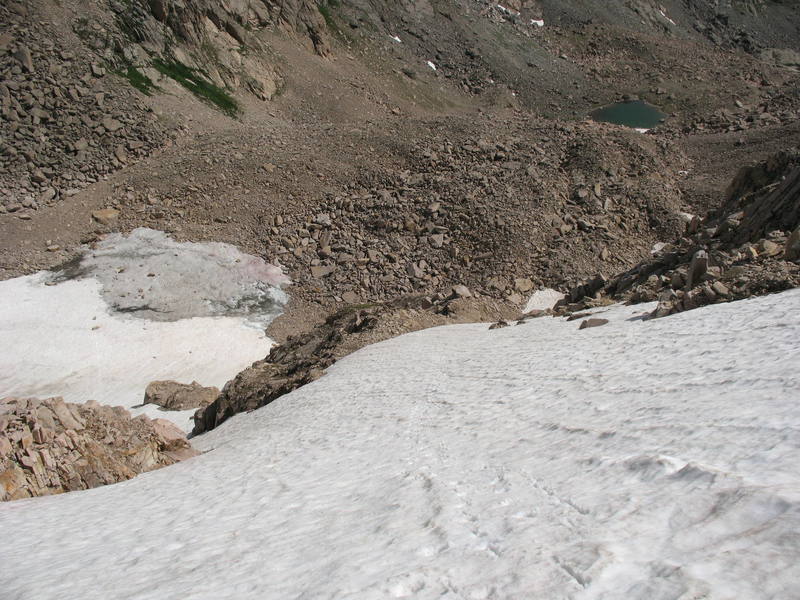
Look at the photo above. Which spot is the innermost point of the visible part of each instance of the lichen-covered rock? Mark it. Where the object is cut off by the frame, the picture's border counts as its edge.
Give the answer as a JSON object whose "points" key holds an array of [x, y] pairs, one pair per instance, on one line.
{"points": [[50, 446]]}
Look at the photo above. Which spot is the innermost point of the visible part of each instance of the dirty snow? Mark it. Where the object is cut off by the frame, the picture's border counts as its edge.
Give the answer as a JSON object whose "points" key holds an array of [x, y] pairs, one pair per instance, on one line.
{"points": [[150, 275], [643, 460], [190, 312]]}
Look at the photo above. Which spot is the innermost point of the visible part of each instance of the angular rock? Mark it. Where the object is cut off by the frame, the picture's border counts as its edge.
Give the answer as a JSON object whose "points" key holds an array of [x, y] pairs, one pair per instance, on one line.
{"points": [[318, 272], [697, 268], [172, 395], [350, 298], [106, 216], [461, 291], [523, 285], [23, 56]]}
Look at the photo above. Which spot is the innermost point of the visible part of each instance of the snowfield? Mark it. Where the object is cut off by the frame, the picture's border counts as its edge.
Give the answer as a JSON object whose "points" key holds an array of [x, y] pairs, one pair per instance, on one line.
{"points": [[644, 460]]}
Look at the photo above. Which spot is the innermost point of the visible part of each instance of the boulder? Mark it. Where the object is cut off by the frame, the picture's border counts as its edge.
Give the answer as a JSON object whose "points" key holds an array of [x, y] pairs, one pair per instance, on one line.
{"points": [[106, 216], [172, 395], [461, 291], [588, 323]]}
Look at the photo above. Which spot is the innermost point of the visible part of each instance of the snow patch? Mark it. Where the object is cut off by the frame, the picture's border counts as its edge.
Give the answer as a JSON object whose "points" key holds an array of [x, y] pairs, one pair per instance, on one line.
{"points": [[431, 65], [537, 22], [396, 39], [150, 275]]}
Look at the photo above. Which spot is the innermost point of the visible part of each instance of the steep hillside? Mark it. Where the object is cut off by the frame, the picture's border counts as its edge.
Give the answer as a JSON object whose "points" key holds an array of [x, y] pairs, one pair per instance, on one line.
{"points": [[319, 136]]}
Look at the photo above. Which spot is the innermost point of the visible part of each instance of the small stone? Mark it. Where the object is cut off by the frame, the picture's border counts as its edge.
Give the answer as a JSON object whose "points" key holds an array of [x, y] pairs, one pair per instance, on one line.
{"points": [[523, 285], [350, 298], [106, 216], [23, 56], [318, 272], [436, 240], [720, 289], [496, 283], [588, 323], [461, 291], [46, 196], [413, 270], [111, 125]]}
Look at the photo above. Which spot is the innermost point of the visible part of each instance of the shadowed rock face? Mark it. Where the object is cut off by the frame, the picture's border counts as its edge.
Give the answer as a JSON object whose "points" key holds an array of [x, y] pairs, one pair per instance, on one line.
{"points": [[50, 446], [768, 197], [748, 247]]}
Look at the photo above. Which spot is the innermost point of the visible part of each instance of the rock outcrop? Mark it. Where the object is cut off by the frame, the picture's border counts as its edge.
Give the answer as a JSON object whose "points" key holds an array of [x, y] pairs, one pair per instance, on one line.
{"points": [[172, 395], [748, 247], [50, 446], [303, 358]]}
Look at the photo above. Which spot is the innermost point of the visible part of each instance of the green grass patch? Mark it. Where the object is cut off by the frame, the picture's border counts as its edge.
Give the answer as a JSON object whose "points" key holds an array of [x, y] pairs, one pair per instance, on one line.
{"points": [[138, 80], [325, 11], [205, 91]]}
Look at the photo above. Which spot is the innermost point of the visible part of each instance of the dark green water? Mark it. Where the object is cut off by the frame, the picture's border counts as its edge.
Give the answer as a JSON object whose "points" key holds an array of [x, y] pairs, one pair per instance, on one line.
{"points": [[636, 114]]}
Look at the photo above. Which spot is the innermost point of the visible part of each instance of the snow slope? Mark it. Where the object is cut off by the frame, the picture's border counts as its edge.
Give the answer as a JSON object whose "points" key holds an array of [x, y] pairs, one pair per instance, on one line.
{"points": [[639, 460]]}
